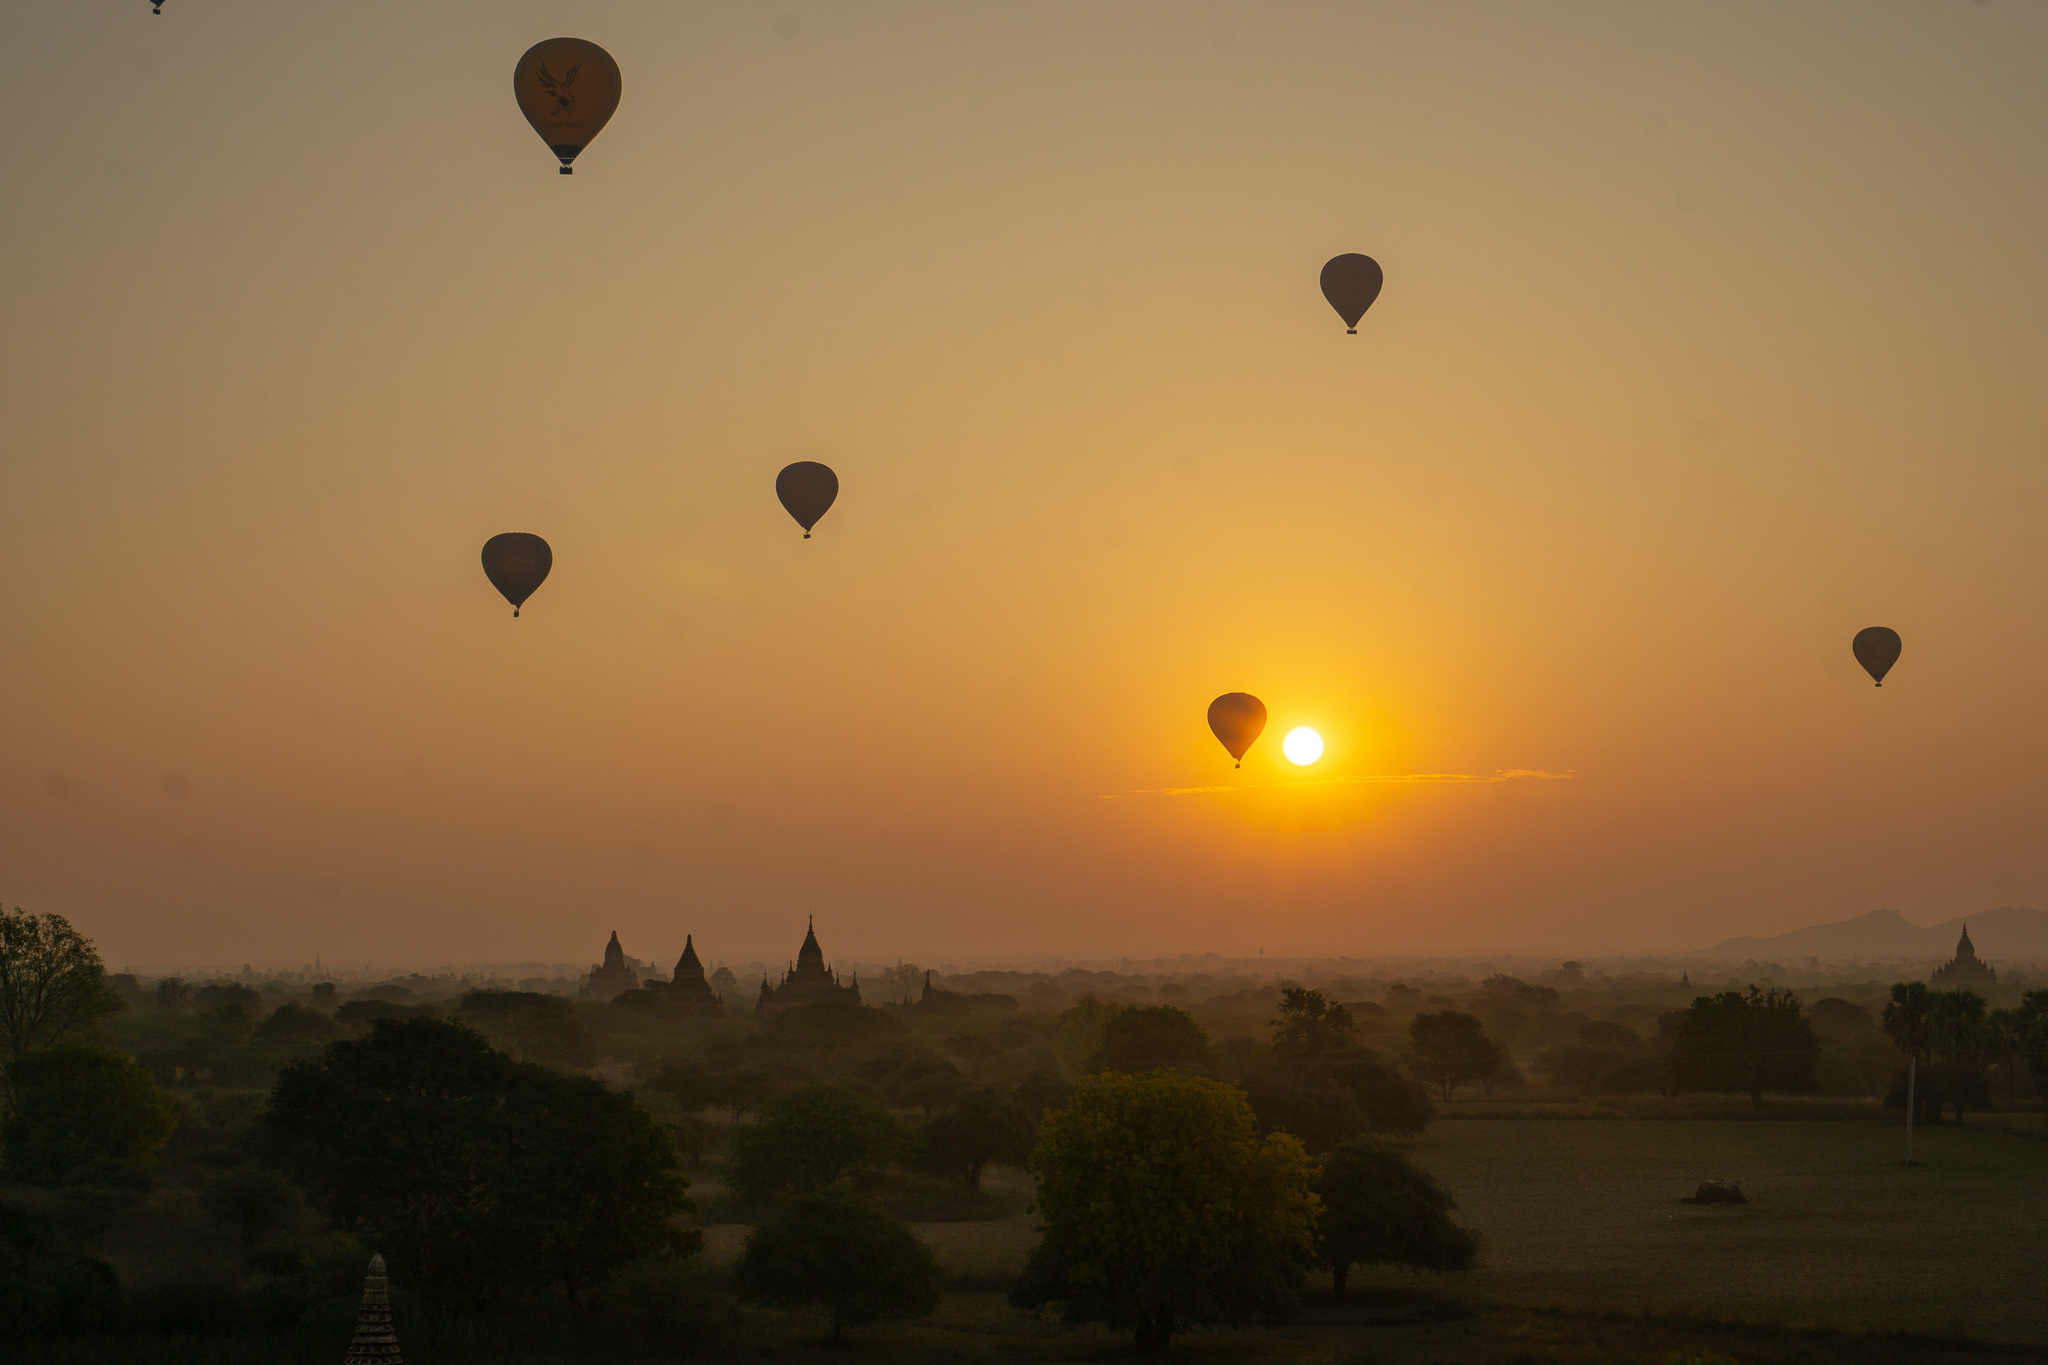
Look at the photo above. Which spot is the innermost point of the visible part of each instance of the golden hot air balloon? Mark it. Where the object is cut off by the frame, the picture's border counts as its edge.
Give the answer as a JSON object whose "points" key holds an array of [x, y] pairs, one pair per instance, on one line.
{"points": [[567, 88], [807, 490], [1237, 719], [1877, 649], [517, 563]]}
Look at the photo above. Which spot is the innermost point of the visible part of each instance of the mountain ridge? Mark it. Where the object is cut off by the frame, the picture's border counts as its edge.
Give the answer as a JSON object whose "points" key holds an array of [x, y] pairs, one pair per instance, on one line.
{"points": [[2008, 933]]}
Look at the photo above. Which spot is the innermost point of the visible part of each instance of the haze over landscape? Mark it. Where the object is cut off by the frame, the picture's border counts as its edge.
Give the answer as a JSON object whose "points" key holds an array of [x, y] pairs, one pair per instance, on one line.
{"points": [[1710, 337], [1295, 684]]}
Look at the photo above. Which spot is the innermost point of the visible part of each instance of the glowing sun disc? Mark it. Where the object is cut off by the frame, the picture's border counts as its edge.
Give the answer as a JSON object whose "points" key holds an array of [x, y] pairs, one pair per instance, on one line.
{"points": [[1302, 746]]}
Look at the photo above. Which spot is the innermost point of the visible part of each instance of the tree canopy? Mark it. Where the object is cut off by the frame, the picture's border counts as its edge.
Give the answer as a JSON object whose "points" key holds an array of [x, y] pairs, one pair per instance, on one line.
{"points": [[837, 1251], [810, 1137], [474, 1173], [1379, 1208], [981, 1127], [1309, 1027], [1736, 1042], [1451, 1049], [1148, 1037], [73, 1104], [1164, 1208], [52, 983]]}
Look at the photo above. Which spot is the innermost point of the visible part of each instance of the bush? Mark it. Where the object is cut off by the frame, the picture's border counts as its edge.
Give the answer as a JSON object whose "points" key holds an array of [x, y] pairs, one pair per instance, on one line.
{"points": [[75, 1104], [836, 1251]]}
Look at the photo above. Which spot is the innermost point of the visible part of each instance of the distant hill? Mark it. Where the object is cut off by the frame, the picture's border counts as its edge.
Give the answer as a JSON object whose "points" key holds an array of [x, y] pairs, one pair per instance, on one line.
{"points": [[2007, 933]]}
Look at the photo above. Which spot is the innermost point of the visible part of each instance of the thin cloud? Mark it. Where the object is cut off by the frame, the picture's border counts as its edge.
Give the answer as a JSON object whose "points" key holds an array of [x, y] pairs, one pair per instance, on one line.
{"points": [[1375, 779]]}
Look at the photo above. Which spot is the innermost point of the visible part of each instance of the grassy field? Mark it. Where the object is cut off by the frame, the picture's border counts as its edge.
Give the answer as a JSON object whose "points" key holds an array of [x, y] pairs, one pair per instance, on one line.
{"points": [[1838, 1232], [1591, 1256]]}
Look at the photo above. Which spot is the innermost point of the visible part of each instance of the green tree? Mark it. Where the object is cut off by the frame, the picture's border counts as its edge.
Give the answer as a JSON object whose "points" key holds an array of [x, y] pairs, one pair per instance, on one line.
{"points": [[1041, 1091], [292, 1025], [1736, 1042], [836, 1251], [1309, 1027], [475, 1173], [981, 1127], [74, 1104], [1149, 1037], [1451, 1049], [52, 984], [809, 1138], [1164, 1208], [1080, 1036], [531, 1026], [1380, 1209]]}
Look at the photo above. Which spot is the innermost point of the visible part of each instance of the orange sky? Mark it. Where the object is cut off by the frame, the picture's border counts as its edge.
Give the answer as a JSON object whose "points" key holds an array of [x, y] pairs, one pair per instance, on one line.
{"points": [[1710, 336]]}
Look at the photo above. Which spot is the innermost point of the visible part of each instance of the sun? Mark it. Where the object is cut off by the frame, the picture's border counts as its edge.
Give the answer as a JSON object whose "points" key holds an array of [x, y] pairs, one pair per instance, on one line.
{"points": [[1302, 746]]}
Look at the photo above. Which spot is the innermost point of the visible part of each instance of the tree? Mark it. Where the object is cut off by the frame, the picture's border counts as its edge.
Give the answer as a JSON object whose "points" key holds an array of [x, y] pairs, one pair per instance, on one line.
{"points": [[51, 982], [474, 1173], [1149, 1037], [981, 1127], [1580, 1066], [1452, 1049], [1380, 1209], [1309, 1027], [1735, 1042], [1164, 1208], [1041, 1091], [531, 1026], [74, 1104], [835, 1250], [291, 1025], [809, 1138], [1080, 1036]]}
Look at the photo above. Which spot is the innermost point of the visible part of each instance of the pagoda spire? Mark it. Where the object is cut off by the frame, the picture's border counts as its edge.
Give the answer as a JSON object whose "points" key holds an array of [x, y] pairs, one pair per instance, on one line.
{"points": [[375, 1343]]}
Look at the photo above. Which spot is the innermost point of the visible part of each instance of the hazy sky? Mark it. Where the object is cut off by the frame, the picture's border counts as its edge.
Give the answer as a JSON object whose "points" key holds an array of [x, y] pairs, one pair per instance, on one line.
{"points": [[1711, 334]]}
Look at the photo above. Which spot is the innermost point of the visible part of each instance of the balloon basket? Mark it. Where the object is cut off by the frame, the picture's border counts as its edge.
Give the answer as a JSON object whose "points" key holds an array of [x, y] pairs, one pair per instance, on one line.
{"points": [[568, 170]]}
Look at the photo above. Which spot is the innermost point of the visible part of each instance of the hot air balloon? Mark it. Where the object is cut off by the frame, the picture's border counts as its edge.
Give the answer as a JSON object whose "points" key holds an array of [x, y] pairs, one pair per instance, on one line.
{"points": [[1351, 282], [567, 89], [1236, 719], [1877, 649], [807, 490], [517, 563]]}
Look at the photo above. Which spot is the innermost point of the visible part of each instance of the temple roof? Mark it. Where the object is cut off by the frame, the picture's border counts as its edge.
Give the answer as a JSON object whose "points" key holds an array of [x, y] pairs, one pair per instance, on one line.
{"points": [[810, 955], [689, 958]]}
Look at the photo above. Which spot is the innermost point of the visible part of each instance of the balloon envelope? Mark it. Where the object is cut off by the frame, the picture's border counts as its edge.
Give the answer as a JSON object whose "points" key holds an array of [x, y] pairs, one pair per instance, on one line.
{"points": [[807, 490], [567, 89], [517, 563], [1237, 719], [1351, 282], [1877, 649]]}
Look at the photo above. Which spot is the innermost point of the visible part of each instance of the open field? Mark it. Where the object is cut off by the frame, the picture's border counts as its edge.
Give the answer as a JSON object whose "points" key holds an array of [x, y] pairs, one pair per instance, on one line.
{"points": [[1587, 1243]]}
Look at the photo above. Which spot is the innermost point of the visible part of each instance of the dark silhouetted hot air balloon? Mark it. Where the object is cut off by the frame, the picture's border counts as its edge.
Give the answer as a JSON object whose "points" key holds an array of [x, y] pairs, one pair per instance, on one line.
{"points": [[1237, 719], [517, 563], [567, 89], [807, 490], [1877, 649], [1351, 282]]}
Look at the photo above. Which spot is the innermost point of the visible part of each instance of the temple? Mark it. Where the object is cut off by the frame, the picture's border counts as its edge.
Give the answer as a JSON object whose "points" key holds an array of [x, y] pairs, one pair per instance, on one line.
{"points": [[375, 1343], [689, 992], [1965, 968], [809, 981], [615, 977]]}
